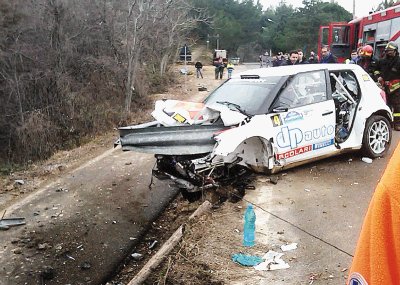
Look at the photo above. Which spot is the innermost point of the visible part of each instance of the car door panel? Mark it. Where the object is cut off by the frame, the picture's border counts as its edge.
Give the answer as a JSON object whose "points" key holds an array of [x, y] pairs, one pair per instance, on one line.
{"points": [[307, 128]]}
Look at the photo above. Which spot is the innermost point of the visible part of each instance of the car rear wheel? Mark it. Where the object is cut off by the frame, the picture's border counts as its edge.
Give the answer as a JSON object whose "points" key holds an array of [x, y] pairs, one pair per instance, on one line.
{"points": [[377, 136]]}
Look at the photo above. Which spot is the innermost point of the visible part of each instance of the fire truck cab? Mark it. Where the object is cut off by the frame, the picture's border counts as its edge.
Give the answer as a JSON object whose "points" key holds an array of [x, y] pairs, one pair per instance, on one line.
{"points": [[376, 30]]}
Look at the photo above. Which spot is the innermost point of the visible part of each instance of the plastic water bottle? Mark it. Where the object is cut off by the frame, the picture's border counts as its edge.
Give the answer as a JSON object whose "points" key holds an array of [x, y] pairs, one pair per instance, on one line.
{"points": [[249, 226]]}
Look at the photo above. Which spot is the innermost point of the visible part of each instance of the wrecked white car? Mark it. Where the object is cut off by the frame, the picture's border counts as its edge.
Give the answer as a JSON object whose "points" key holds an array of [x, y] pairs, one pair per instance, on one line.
{"points": [[265, 120]]}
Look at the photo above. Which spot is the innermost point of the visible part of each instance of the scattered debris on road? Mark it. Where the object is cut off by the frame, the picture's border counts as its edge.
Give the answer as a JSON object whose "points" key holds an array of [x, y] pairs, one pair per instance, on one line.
{"points": [[6, 223], [273, 261], [366, 159], [288, 247]]}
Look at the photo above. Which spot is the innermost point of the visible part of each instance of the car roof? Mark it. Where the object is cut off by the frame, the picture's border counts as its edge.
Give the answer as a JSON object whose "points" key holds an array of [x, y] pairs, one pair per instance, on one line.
{"points": [[294, 69]]}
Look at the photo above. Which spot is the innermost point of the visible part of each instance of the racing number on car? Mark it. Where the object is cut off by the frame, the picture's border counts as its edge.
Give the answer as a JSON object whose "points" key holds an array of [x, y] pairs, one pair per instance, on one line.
{"points": [[179, 118], [276, 120]]}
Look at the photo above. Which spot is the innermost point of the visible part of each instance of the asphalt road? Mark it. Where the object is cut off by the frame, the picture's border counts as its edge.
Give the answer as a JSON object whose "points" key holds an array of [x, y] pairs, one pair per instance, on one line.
{"points": [[79, 228], [321, 207]]}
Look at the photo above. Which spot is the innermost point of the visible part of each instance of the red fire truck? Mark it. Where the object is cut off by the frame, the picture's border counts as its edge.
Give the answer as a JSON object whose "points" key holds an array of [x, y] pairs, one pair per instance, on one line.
{"points": [[376, 29]]}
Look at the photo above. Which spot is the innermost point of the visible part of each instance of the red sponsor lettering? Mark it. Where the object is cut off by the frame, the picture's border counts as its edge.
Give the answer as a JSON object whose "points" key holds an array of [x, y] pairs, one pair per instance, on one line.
{"points": [[294, 152]]}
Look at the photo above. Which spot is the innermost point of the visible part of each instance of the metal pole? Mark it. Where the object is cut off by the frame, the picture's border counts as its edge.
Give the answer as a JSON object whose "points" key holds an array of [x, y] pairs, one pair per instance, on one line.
{"points": [[217, 41], [354, 9], [186, 71]]}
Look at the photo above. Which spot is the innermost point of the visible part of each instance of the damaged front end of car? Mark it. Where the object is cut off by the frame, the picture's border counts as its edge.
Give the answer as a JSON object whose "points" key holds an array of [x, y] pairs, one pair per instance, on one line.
{"points": [[227, 164], [202, 157], [196, 175]]}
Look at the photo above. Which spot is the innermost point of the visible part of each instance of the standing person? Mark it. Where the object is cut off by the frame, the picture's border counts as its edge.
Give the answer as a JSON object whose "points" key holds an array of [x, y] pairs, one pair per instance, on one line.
{"points": [[388, 74], [376, 260], [261, 61], [356, 55], [293, 58], [367, 61], [353, 57], [219, 68], [313, 58], [327, 56], [278, 60], [230, 68], [199, 66], [302, 59]]}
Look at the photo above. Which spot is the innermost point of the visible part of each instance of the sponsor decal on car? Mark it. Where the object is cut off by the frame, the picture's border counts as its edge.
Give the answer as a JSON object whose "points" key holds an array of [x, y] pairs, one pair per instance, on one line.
{"points": [[292, 137], [179, 118], [357, 279], [276, 120], [323, 144], [293, 116], [319, 133], [294, 152]]}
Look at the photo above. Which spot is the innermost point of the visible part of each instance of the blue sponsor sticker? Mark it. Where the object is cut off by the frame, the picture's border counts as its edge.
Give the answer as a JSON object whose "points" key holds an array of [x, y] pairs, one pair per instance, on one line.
{"points": [[357, 279], [323, 144], [293, 116]]}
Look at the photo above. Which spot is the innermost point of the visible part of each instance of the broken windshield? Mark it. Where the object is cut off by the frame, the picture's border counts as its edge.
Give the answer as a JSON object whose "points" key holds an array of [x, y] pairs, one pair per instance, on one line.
{"points": [[251, 95]]}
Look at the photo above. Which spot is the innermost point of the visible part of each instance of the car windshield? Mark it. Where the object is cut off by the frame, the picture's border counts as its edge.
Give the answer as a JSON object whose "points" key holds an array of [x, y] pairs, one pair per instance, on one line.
{"points": [[249, 94]]}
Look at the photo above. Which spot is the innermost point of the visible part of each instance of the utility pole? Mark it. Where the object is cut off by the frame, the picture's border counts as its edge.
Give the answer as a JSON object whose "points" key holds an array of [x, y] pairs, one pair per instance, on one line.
{"points": [[354, 9], [214, 37]]}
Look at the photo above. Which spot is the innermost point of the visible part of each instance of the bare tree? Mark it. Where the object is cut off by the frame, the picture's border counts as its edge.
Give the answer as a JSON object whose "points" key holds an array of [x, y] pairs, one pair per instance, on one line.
{"points": [[153, 30], [385, 4], [66, 66]]}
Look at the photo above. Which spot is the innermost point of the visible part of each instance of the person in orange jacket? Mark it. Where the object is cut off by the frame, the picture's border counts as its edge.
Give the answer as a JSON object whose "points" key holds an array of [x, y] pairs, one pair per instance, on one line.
{"points": [[377, 257]]}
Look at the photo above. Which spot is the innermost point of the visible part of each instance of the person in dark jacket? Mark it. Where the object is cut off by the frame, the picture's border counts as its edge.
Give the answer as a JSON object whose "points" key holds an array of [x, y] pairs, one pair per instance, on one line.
{"points": [[219, 68], [302, 59], [278, 60], [293, 58], [313, 58], [367, 61], [199, 66], [327, 56], [388, 74]]}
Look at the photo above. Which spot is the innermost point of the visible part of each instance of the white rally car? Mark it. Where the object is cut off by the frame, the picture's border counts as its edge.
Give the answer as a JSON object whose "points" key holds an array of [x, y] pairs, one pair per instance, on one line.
{"points": [[265, 120]]}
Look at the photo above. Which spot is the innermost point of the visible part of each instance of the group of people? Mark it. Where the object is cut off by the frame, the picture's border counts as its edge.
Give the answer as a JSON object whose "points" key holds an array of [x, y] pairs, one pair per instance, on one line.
{"points": [[297, 57], [220, 66], [385, 71]]}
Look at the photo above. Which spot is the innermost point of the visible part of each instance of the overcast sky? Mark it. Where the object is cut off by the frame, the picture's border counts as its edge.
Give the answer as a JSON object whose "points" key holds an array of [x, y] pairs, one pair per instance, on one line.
{"points": [[362, 6]]}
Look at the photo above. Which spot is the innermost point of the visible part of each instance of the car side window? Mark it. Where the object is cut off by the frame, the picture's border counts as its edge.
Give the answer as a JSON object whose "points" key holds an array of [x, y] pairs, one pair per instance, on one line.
{"points": [[348, 85], [303, 89]]}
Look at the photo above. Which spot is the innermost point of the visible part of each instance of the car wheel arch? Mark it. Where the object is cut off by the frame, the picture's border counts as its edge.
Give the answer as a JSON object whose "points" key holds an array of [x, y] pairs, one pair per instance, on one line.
{"points": [[374, 145], [256, 152]]}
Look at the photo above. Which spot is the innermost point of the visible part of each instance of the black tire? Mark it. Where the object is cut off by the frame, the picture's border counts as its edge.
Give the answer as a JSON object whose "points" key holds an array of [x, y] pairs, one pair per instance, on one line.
{"points": [[377, 136]]}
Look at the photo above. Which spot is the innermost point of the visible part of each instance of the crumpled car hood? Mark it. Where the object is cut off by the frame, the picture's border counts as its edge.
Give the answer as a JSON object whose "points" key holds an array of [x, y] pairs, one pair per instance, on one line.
{"points": [[177, 113]]}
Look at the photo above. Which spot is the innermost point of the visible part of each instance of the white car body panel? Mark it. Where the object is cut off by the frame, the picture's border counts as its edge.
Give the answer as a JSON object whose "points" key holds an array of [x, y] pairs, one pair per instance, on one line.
{"points": [[303, 133]]}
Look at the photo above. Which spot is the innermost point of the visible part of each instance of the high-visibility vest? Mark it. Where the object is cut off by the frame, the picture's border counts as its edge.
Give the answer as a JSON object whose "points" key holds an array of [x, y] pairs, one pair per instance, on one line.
{"points": [[377, 256]]}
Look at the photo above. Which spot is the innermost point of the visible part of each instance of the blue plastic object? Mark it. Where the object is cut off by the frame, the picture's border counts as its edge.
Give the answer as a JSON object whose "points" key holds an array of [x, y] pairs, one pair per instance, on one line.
{"points": [[246, 260], [249, 226]]}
